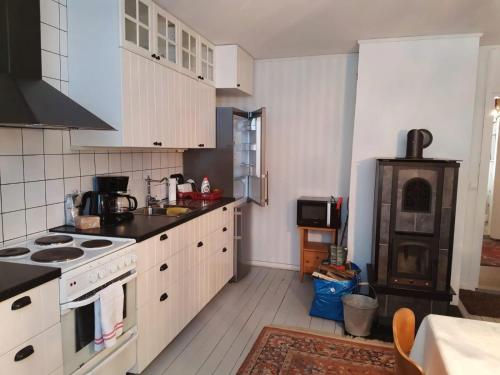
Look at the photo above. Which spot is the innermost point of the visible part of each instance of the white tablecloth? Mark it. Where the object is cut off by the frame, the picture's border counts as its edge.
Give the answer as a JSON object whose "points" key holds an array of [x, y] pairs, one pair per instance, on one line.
{"points": [[453, 346]]}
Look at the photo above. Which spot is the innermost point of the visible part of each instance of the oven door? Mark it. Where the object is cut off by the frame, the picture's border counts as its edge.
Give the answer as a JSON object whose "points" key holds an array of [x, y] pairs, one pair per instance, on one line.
{"points": [[312, 214], [77, 322]]}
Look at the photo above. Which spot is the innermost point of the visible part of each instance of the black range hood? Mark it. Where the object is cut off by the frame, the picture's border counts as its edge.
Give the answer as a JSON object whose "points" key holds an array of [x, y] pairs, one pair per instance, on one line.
{"points": [[25, 99]]}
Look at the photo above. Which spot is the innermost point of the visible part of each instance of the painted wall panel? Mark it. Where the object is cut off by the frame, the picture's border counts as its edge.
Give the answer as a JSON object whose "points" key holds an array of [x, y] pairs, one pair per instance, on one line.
{"points": [[310, 108]]}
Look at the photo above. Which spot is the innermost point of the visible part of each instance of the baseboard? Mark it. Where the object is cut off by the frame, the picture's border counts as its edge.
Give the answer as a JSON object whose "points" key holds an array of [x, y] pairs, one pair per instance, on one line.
{"points": [[282, 266]]}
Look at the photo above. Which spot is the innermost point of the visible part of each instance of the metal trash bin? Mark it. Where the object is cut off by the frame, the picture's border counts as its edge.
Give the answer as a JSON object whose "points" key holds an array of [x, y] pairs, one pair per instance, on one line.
{"points": [[359, 313]]}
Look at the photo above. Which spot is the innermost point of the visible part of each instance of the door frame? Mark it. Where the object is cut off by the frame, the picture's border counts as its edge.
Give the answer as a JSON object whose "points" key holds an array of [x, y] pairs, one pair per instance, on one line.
{"points": [[482, 190]]}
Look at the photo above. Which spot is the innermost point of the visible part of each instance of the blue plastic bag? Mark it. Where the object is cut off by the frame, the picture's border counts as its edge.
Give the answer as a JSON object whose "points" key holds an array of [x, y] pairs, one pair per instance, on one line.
{"points": [[327, 301]]}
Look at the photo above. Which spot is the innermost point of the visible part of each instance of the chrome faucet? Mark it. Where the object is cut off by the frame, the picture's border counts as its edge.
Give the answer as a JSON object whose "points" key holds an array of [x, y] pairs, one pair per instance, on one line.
{"points": [[150, 200]]}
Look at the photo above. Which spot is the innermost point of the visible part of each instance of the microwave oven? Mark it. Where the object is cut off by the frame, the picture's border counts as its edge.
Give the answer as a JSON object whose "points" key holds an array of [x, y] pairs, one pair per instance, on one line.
{"points": [[319, 212]]}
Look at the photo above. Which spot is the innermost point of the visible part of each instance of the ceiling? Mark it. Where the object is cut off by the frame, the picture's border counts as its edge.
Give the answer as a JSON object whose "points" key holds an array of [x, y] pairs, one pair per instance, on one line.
{"points": [[286, 28]]}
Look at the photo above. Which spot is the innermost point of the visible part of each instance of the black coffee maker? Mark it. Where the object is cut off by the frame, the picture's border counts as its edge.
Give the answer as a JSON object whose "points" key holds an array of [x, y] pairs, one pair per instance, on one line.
{"points": [[109, 200]]}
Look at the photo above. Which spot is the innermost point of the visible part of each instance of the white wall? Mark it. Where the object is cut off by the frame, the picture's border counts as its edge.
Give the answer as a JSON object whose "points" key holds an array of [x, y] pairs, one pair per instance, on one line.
{"points": [[488, 86], [310, 109], [404, 84]]}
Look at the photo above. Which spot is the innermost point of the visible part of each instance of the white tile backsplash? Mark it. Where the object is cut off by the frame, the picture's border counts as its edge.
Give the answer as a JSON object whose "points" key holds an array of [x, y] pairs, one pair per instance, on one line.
{"points": [[71, 165], [63, 39], [87, 164], [33, 182], [49, 38], [55, 215], [52, 141], [63, 21], [71, 185], [34, 193], [54, 191], [53, 166], [12, 197], [114, 163], [101, 163], [32, 142], [51, 67], [14, 225], [11, 141], [34, 168], [49, 12], [11, 169], [36, 220], [126, 162]]}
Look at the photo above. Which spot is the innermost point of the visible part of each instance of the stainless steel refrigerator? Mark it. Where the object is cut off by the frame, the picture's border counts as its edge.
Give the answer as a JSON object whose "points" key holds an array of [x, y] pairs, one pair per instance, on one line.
{"points": [[237, 166]]}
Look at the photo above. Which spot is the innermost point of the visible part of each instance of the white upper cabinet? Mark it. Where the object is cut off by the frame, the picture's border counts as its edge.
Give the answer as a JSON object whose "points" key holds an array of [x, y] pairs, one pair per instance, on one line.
{"points": [[165, 38], [234, 69], [189, 51], [207, 62], [148, 89], [137, 25]]}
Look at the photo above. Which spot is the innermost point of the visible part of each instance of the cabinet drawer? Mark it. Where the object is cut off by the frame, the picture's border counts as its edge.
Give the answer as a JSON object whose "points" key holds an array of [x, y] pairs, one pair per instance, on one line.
{"points": [[312, 259], [28, 314], [42, 355]]}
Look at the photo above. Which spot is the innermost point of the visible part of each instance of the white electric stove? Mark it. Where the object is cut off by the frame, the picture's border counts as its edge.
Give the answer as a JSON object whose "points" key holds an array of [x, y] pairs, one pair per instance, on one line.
{"points": [[88, 265], [85, 261]]}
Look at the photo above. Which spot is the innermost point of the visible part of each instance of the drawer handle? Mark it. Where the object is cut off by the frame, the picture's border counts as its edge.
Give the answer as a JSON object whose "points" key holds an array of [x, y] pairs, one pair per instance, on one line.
{"points": [[224, 229], [164, 267], [20, 303], [24, 353], [201, 145], [224, 208], [200, 244], [224, 250], [163, 297], [163, 237]]}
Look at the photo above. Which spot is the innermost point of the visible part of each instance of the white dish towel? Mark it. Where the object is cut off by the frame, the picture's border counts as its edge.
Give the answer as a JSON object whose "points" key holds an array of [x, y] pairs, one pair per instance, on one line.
{"points": [[108, 317]]}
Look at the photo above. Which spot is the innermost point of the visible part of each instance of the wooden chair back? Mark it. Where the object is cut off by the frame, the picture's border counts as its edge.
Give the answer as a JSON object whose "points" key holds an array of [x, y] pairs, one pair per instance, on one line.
{"points": [[403, 330]]}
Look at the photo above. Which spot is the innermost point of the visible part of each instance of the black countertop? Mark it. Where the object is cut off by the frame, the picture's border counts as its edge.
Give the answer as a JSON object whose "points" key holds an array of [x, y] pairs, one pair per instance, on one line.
{"points": [[142, 227], [16, 278]]}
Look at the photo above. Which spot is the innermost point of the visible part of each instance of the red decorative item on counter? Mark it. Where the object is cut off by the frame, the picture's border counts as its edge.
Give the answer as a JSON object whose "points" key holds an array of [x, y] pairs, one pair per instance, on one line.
{"points": [[197, 196]]}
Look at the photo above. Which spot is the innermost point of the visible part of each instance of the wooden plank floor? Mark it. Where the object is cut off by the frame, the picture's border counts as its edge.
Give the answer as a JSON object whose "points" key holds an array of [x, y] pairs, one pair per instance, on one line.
{"points": [[221, 335]]}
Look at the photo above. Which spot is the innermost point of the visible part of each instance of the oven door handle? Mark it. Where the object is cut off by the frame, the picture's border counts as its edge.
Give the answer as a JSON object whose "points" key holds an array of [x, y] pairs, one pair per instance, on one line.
{"points": [[66, 307]]}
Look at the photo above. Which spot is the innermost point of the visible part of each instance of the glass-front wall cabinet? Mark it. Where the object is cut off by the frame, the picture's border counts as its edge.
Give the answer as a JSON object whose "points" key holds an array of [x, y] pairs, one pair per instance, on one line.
{"points": [[166, 31], [189, 51], [137, 24], [206, 69]]}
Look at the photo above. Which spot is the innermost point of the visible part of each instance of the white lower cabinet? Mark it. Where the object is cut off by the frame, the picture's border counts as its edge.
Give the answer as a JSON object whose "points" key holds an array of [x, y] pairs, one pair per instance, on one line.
{"points": [[41, 354], [30, 332], [180, 271]]}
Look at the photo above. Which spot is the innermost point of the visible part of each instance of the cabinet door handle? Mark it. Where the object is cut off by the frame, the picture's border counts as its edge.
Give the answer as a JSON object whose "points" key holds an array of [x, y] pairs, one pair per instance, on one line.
{"points": [[224, 208], [155, 143], [200, 244], [238, 85], [154, 56], [224, 250], [163, 297], [163, 237], [201, 145], [163, 267], [159, 143], [158, 57], [20, 303], [224, 229], [201, 77], [24, 353]]}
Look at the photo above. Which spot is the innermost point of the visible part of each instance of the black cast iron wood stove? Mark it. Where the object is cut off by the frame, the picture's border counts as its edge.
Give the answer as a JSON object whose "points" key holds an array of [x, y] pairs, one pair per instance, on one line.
{"points": [[414, 215]]}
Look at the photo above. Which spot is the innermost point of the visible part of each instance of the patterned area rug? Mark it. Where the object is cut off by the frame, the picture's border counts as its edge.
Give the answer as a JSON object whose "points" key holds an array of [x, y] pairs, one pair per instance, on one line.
{"points": [[490, 256], [283, 351]]}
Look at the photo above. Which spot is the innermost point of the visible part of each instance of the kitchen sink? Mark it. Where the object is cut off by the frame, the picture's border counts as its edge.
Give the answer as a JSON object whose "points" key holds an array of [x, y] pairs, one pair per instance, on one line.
{"points": [[170, 211]]}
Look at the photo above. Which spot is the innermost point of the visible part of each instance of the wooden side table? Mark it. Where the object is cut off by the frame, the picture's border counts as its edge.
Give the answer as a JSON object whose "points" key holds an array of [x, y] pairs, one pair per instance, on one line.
{"points": [[311, 252]]}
